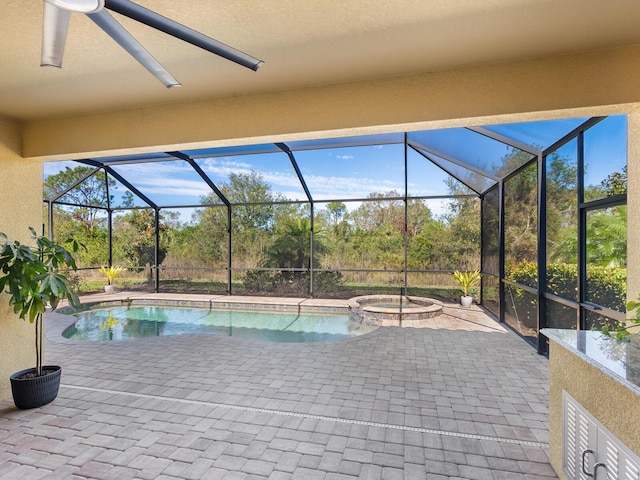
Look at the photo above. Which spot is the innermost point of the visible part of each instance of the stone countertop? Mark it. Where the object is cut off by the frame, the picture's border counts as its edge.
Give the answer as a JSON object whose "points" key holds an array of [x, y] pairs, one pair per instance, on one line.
{"points": [[619, 360]]}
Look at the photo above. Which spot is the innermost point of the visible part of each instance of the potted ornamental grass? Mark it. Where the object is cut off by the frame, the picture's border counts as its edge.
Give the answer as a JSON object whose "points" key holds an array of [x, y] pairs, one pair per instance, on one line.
{"points": [[111, 272], [468, 282], [31, 276]]}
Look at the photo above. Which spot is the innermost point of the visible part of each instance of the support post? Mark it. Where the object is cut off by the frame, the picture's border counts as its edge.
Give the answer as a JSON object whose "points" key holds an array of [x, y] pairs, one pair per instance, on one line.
{"points": [[110, 238], [406, 219], [50, 219], [157, 249], [229, 259], [542, 252], [312, 213], [582, 237], [501, 270]]}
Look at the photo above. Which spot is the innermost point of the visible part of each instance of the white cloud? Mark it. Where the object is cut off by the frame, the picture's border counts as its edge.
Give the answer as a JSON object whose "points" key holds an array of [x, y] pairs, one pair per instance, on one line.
{"points": [[325, 187], [166, 179], [176, 183], [219, 170], [321, 186]]}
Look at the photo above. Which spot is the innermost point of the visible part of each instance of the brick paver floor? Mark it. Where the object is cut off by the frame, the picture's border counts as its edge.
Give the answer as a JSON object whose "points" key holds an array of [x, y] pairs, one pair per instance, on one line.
{"points": [[466, 399]]}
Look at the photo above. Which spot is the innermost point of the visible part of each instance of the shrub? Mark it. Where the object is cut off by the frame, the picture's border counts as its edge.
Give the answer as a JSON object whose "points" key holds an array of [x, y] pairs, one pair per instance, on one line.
{"points": [[606, 286], [260, 281], [326, 281]]}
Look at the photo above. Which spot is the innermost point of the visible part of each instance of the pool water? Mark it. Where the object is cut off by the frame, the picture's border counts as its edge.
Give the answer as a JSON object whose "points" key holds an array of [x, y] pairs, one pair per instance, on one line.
{"points": [[121, 323]]}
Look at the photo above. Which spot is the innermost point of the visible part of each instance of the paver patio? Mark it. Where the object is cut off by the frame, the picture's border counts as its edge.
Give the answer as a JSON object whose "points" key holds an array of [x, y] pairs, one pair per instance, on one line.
{"points": [[465, 399]]}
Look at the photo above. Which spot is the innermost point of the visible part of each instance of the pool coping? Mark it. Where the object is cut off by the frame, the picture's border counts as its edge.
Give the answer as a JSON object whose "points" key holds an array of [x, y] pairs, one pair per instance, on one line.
{"points": [[296, 304]]}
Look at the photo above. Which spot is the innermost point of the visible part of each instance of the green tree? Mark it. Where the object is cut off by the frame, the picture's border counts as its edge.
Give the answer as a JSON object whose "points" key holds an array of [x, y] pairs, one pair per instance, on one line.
{"points": [[337, 211], [291, 247], [427, 250], [607, 237], [254, 210], [134, 239], [95, 242], [377, 240], [371, 215], [562, 208], [521, 217], [335, 221], [81, 220], [615, 183], [456, 241], [91, 192]]}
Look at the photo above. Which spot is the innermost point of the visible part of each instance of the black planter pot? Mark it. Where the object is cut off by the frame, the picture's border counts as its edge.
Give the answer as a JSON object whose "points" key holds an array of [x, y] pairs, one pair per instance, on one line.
{"points": [[35, 391]]}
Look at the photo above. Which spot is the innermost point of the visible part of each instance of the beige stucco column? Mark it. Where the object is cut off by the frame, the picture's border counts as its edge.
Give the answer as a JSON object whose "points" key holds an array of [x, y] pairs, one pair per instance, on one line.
{"points": [[20, 208], [633, 205]]}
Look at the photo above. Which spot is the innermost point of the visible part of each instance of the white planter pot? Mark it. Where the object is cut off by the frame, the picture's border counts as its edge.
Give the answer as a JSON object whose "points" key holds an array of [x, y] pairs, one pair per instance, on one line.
{"points": [[466, 301], [109, 288]]}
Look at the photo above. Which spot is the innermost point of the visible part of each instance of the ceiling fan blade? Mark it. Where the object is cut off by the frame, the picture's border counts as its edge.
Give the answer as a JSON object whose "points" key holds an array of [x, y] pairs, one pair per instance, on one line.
{"points": [[78, 6], [54, 35], [173, 28], [131, 45]]}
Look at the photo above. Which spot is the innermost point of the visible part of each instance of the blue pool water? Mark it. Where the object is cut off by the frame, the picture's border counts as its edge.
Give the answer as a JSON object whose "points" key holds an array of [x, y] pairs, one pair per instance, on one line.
{"points": [[137, 321]]}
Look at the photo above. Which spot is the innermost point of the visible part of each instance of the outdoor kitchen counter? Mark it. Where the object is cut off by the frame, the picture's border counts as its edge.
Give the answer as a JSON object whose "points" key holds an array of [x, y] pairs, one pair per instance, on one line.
{"points": [[603, 375]]}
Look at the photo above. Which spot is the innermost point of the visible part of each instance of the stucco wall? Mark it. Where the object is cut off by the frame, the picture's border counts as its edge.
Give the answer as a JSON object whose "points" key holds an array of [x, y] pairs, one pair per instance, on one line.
{"points": [[633, 206], [612, 404], [20, 208], [571, 85]]}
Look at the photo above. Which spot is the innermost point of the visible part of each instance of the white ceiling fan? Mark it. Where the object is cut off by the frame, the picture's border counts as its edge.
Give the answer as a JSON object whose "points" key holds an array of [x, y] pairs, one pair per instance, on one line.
{"points": [[56, 24]]}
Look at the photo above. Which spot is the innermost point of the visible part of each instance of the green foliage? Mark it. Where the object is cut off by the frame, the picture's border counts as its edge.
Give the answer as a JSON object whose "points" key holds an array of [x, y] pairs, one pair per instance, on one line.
{"points": [[203, 244], [327, 281], [256, 281], [91, 192], [290, 247], [521, 219], [94, 240], [135, 239], [428, 248], [624, 330], [615, 183], [266, 232], [337, 212], [606, 286], [460, 247], [269, 281], [607, 237], [31, 276]]}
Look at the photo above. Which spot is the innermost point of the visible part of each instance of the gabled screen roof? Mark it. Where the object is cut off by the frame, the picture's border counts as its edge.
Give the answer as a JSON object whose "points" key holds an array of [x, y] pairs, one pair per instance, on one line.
{"points": [[434, 163]]}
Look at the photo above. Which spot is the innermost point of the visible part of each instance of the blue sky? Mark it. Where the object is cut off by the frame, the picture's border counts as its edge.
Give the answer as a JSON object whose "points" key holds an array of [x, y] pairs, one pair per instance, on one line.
{"points": [[355, 172]]}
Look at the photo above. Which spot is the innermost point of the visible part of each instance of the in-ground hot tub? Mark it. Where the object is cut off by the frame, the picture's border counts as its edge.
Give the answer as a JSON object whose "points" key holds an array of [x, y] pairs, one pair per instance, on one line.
{"points": [[393, 310]]}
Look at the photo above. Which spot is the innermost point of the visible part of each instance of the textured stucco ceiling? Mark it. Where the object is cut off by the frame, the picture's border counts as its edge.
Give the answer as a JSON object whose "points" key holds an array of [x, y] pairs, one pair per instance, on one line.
{"points": [[303, 43]]}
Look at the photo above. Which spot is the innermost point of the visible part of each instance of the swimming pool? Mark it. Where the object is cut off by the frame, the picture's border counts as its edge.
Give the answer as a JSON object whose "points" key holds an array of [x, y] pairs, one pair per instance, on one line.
{"points": [[138, 321]]}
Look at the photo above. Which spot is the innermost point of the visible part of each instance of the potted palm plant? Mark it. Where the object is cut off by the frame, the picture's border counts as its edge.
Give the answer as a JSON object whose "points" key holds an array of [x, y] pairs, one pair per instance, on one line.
{"points": [[31, 275], [467, 282], [111, 273]]}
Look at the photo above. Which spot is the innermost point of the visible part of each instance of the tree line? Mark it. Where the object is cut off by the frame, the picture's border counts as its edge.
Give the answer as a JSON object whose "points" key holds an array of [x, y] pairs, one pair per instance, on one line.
{"points": [[349, 240]]}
